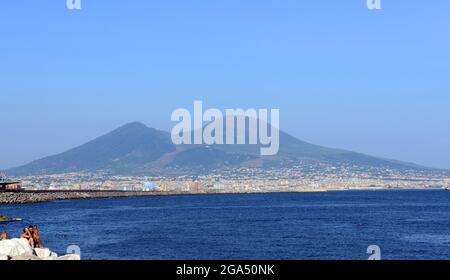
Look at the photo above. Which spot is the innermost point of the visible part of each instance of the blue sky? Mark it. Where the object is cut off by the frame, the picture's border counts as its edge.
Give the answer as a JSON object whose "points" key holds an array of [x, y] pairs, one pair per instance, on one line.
{"points": [[342, 76]]}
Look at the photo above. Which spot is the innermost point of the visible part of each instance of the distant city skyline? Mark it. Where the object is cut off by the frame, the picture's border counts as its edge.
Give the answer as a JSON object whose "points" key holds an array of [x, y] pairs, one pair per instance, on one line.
{"points": [[343, 76]]}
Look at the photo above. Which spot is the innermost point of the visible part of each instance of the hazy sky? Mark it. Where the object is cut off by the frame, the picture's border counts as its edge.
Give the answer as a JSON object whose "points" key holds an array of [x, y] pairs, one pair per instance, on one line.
{"points": [[376, 82]]}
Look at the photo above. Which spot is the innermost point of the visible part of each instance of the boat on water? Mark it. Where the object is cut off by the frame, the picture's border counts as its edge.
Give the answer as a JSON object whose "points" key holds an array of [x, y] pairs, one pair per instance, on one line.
{"points": [[4, 219]]}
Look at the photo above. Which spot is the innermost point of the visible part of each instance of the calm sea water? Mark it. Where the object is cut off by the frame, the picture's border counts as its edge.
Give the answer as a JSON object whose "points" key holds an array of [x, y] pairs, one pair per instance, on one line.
{"points": [[333, 225]]}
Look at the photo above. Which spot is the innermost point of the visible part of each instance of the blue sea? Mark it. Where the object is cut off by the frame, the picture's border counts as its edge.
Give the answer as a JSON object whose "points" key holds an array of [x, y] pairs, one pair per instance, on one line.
{"points": [[277, 226]]}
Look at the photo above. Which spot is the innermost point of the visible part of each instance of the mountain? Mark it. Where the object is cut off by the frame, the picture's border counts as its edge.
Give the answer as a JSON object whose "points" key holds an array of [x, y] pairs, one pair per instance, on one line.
{"points": [[123, 149], [137, 149]]}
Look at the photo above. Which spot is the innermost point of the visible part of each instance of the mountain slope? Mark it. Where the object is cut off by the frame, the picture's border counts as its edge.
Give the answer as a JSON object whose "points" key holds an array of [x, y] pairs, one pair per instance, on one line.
{"points": [[123, 149], [137, 149]]}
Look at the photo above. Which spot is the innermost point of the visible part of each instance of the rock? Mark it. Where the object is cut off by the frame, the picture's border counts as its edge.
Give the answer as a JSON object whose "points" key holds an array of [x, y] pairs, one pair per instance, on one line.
{"points": [[49, 258], [35, 197], [16, 247], [20, 249], [25, 258], [72, 257], [42, 253], [4, 219]]}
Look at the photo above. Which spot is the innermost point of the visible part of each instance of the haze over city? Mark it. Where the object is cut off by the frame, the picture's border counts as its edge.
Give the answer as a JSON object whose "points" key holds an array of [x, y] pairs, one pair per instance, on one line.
{"points": [[67, 77]]}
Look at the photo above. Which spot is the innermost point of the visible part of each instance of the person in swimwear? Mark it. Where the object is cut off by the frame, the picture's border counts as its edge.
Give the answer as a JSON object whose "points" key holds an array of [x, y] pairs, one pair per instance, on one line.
{"points": [[4, 235], [36, 237], [26, 234]]}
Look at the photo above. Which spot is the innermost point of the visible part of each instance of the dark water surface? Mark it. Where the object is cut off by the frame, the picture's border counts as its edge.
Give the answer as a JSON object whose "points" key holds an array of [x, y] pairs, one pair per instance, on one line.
{"points": [[332, 225]]}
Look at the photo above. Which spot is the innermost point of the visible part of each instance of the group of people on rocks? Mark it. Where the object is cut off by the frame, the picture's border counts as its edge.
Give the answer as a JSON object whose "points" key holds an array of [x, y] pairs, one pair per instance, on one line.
{"points": [[30, 233]]}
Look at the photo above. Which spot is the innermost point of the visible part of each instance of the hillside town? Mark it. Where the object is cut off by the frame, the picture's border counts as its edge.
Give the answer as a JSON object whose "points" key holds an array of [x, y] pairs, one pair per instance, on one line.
{"points": [[242, 180]]}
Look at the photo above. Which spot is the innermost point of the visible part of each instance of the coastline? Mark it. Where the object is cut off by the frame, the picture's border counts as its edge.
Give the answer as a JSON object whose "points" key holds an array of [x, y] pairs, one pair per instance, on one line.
{"points": [[29, 197]]}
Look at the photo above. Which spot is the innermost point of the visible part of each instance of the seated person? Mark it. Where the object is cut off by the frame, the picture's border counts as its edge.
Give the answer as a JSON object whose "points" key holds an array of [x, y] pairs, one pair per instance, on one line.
{"points": [[4, 235], [36, 237], [28, 235]]}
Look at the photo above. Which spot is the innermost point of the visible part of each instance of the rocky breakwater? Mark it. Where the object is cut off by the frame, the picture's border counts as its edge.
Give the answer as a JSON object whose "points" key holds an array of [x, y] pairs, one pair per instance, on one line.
{"points": [[20, 249], [34, 197]]}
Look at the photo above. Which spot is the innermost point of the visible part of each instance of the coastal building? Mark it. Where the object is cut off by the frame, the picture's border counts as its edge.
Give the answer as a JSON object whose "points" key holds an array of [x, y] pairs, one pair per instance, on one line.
{"points": [[9, 185], [150, 187]]}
